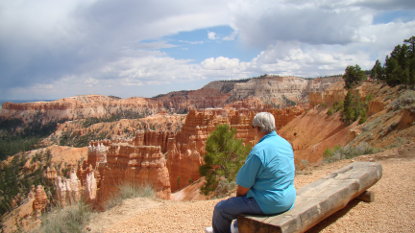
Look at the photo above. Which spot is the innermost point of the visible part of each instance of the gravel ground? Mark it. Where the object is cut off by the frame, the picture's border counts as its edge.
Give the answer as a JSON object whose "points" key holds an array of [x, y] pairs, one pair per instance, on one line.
{"points": [[392, 211]]}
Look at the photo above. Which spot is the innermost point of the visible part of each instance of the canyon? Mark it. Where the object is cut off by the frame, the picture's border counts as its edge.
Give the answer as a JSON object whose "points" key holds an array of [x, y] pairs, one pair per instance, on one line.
{"points": [[267, 91], [160, 141]]}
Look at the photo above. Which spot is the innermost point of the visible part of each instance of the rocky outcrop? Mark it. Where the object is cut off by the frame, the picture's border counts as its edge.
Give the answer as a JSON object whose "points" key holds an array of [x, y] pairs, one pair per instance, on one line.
{"points": [[80, 107], [168, 160], [126, 163], [267, 91], [313, 132], [331, 94], [185, 151], [256, 93], [91, 185], [68, 188], [40, 201]]}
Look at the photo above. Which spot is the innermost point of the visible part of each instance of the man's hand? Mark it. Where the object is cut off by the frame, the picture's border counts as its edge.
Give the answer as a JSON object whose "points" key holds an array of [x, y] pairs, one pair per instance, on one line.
{"points": [[241, 191]]}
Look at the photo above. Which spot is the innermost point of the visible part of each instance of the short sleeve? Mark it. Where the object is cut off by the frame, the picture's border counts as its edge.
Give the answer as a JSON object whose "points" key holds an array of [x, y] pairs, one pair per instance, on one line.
{"points": [[247, 174]]}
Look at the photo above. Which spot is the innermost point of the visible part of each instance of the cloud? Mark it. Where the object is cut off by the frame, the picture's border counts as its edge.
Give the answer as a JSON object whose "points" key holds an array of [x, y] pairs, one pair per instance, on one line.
{"points": [[55, 49], [301, 59], [45, 41], [232, 36], [387, 4], [262, 24], [223, 63], [212, 36]]}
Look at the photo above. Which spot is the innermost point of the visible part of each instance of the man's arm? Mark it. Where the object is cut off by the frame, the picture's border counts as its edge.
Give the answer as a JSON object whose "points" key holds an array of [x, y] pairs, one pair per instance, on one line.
{"points": [[241, 191]]}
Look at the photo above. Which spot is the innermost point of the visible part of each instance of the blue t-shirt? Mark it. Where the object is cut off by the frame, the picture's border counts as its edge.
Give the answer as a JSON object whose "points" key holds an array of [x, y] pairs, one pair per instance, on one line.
{"points": [[269, 173]]}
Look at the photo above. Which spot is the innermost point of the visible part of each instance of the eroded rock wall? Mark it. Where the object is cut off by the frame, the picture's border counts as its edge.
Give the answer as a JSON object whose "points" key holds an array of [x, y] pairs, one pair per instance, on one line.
{"points": [[185, 152], [126, 163]]}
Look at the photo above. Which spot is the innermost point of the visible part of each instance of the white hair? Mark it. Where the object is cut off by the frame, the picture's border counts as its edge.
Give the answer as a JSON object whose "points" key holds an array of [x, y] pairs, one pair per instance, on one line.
{"points": [[265, 121]]}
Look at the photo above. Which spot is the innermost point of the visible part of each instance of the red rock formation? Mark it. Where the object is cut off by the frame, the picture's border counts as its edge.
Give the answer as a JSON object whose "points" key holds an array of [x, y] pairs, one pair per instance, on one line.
{"points": [[256, 93], [328, 96], [97, 152], [79, 107], [185, 151], [50, 174], [91, 185], [266, 91], [68, 190], [40, 202], [313, 132], [135, 165]]}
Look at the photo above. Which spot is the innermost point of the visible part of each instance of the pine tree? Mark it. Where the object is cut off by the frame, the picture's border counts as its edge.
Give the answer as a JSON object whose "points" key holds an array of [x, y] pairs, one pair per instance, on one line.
{"points": [[377, 71], [224, 156], [411, 61], [411, 42], [399, 66], [353, 76], [354, 108]]}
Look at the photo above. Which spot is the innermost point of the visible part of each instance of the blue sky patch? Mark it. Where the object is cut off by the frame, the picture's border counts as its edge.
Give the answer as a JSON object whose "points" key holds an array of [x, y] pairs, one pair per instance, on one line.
{"points": [[390, 16], [197, 45]]}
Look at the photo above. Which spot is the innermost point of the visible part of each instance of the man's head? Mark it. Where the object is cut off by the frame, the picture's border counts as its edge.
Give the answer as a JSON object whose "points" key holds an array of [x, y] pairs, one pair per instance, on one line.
{"points": [[264, 121]]}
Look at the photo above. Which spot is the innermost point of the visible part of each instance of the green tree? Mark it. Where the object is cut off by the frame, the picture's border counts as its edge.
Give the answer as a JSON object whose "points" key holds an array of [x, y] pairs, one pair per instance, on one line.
{"points": [[377, 71], [399, 66], [411, 42], [353, 76], [354, 108], [411, 60], [224, 156]]}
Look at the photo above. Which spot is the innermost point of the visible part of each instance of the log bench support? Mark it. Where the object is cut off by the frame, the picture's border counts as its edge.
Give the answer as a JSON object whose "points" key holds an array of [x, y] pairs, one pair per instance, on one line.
{"points": [[319, 200]]}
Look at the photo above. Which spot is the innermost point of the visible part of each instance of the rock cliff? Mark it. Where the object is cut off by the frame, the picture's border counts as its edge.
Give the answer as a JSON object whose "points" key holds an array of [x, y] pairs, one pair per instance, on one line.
{"points": [[262, 92], [185, 151], [127, 162], [268, 90], [168, 160], [80, 107]]}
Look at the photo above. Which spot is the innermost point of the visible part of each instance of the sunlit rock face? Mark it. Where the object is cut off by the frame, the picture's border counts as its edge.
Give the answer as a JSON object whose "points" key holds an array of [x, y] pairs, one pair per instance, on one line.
{"points": [[126, 163], [185, 152], [268, 91], [79, 107], [256, 93], [167, 160]]}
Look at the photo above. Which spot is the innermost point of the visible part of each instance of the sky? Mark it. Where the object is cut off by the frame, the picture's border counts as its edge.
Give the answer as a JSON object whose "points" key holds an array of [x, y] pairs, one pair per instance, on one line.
{"points": [[141, 48]]}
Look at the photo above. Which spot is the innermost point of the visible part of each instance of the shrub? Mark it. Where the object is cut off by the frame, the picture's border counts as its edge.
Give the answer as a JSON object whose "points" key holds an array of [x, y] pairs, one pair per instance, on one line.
{"points": [[74, 139], [338, 106], [127, 191], [329, 152], [348, 152], [69, 219], [224, 188], [405, 101], [120, 114]]}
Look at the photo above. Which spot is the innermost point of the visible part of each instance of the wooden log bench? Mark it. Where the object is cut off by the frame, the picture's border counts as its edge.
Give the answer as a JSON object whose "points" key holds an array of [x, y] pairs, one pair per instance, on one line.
{"points": [[318, 200]]}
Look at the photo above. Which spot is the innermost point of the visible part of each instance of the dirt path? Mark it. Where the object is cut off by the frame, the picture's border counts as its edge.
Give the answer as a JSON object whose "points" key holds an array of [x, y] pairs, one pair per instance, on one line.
{"points": [[392, 211]]}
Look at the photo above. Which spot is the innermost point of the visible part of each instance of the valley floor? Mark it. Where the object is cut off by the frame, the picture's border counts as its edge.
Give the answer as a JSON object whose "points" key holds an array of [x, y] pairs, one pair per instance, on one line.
{"points": [[392, 211]]}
